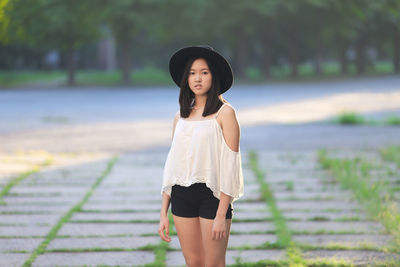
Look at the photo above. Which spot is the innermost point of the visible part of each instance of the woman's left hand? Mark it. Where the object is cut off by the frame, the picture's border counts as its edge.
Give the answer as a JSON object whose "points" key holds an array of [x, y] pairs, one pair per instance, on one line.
{"points": [[219, 228]]}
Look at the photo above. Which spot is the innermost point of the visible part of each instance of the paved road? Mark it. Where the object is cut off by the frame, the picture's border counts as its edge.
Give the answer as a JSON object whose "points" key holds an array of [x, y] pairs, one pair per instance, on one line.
{"points": [[31, 109]]}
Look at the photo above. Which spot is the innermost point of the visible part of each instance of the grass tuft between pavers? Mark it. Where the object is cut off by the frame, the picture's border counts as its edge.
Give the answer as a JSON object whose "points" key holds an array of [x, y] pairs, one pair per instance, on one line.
{"points": [[160, 250], [281, 229], [354, 174], [54, 230], [391, 153], [17, 179]]}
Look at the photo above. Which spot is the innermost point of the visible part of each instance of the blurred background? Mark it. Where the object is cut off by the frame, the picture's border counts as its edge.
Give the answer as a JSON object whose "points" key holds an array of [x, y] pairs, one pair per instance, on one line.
{"points": [[59, 42], [86, 116]]}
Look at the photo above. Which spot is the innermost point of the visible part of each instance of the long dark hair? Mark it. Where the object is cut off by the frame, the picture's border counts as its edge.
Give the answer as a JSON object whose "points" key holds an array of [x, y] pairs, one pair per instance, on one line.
{"points": [[186, 96]]}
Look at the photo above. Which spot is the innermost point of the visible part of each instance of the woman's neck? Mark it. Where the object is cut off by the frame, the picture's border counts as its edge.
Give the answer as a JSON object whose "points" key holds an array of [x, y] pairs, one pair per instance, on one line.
{"points": [[200, 101]]}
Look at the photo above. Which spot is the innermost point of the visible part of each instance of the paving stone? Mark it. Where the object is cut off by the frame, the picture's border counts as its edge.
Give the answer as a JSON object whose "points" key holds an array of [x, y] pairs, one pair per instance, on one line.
{"points": [[13, 259], [255, 255], [251, 189], [95, 258], [98, 199], [248, 215], [357, 257], [348, 240], [175, 258], [49, 189], [106, 243], [307, 215], [279, 187], [127, 216], [304, 195], [251, 197], [317, 205], [27, 244], [103, 229], [249, 206], [357, 227], [37, 208], [29, 219], [250, 240], [283, 177], [174, 242], [41, 201], [116, 207], [24, 230], [46, 183], [127, 191], [247, 227]]}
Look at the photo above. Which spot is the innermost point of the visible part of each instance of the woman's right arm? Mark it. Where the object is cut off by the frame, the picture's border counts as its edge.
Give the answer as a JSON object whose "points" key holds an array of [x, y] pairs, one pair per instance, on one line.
{"points": [[164, 222]]}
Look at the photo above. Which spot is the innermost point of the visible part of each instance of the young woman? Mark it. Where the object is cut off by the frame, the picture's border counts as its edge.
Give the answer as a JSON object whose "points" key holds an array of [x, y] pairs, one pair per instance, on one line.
{"points": [[203, 171]]}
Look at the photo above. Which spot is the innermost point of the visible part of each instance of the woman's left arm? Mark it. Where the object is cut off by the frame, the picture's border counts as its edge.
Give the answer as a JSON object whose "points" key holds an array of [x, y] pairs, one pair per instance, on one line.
{"points": [[231, 132]]}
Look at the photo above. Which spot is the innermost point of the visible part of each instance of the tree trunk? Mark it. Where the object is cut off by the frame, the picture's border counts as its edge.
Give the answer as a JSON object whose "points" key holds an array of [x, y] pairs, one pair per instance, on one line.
{"points": [[343, 59], [360, 50], [293, 58], [318, 56], [241, 62], [396, 49], [71, 66], [266, 63], [126, 62]]}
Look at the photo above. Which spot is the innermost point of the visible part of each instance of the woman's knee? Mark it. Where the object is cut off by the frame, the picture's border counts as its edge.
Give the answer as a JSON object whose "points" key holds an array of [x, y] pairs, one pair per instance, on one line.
{"points": [[194, 261], [215, 262]]}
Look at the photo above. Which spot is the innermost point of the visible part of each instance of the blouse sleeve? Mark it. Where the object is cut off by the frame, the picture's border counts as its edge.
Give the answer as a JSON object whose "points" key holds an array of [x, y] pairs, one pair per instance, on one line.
{"points": [[231, 174]]}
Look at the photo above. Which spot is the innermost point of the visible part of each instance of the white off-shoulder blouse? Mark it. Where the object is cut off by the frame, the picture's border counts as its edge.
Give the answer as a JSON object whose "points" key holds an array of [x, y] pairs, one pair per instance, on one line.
{"points": [[199, 154]]}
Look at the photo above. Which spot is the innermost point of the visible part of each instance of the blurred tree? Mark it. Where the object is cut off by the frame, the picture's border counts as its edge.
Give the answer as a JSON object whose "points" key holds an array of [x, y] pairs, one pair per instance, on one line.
{"points": [[390, 11], [234, 22], [291, 25], [61, 24], [265, 25], [128, 18]]}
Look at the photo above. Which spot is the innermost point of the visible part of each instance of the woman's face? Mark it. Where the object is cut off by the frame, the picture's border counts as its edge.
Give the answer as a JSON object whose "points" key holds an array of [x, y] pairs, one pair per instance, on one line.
{"points": [[200, 78]]}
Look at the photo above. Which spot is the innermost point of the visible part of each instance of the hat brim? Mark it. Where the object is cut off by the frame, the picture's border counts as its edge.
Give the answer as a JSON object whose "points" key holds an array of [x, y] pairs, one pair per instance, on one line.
{"points": [[178, 61]]}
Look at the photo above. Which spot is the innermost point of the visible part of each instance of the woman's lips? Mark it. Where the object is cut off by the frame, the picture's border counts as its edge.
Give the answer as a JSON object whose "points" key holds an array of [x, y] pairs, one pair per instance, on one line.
{"points": [[197, 86]]}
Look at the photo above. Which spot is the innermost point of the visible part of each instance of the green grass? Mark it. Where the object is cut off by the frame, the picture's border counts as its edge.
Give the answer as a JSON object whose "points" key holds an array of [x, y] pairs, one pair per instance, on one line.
{"points": [[156, 76], [354, 174], [393, 120], [282, 231], [160, 251], [391, 153], [284, 235], [289, 185], [16, 78], [350, 118], [54, 230], [353, 118], [16, 180]]}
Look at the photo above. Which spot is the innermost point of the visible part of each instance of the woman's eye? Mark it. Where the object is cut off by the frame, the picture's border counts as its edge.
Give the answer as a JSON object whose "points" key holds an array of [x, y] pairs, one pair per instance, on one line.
{"points": [[205, 72]]}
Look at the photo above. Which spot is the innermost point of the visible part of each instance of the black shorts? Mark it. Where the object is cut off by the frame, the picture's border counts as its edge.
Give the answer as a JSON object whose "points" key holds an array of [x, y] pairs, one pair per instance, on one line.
{"points": [[196, 200]]}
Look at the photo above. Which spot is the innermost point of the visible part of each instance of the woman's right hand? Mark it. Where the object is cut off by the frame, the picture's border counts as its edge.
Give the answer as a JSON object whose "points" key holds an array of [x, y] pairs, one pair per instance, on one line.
{"points": [[164, 226]]}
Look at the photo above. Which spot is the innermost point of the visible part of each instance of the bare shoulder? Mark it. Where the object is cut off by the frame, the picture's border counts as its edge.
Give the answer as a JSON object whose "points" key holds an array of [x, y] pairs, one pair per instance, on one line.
{"points": [[230, 127], [228, 113]]}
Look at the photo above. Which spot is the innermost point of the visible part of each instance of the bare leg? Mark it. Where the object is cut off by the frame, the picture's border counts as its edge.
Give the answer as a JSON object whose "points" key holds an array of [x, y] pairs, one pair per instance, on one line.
{"points": [[215, 250], [189, 234]]}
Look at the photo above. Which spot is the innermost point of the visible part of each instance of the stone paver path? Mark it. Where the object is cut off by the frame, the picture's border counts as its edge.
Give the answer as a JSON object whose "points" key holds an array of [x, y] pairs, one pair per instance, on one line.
{"points": [[122, 213]]}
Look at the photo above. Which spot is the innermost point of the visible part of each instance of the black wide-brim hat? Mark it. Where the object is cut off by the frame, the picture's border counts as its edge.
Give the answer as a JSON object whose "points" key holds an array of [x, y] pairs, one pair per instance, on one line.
{"points": [[179, 59]]}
